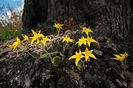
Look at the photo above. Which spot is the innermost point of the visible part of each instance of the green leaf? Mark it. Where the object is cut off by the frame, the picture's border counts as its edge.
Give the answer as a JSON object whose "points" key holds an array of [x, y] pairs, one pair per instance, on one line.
{"points": [[79, 66], [56, 60], [47, 55]]}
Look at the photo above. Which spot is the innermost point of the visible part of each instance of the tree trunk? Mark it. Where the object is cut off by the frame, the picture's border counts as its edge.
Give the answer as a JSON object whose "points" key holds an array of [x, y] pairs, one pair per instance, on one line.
{"points": [[80, 10], [35, 11], [118, 13]]}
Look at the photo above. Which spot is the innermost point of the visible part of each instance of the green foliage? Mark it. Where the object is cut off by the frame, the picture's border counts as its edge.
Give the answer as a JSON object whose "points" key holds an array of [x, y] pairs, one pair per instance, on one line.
{"points": [[56, 60], [48, 55], [8, 34]]}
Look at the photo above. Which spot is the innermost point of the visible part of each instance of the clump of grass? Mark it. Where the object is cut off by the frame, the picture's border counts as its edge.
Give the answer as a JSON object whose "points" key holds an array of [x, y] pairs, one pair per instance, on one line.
{"points": [[8, 33]]}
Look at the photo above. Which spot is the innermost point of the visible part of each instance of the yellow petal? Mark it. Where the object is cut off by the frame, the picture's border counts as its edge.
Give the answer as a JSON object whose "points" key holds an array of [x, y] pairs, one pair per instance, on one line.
{"points": [[33, 40], [93, 56], [34, 33], [87, 58], [81, 41], [72, 57], [117, 56], [89, 44], [38, 41], [25, 38], [77, 61]]}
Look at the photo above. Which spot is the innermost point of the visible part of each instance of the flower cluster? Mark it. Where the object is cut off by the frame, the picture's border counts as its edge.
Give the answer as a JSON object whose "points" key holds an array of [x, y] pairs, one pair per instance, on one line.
{"points": [[79, 55], [36, 38], [84, 42]]}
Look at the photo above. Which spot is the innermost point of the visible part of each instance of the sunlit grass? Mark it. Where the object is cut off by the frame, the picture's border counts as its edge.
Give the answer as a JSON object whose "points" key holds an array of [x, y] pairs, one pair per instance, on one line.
{"points": [[7, 33]]}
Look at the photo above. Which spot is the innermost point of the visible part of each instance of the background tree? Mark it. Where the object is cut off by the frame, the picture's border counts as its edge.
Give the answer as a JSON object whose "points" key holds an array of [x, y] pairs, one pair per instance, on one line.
{"points": [[120, 17], [118, 13]]}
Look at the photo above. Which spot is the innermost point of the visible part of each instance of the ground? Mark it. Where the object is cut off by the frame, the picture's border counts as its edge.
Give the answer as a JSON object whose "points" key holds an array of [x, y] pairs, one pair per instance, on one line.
{"points": [[20, 70]]}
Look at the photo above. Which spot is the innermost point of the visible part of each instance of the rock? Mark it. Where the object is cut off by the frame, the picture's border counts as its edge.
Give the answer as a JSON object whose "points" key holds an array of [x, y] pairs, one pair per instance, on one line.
{"points": [[110, 84], [98, 52]]}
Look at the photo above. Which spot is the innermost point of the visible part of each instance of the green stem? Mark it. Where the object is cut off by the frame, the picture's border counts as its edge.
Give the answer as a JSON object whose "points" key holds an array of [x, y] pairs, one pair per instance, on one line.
{"points": [[83, 64], [31, 54], [24, 49], [48, 53], [64, 48], [124, 66], [58, 32], [43, 47]]}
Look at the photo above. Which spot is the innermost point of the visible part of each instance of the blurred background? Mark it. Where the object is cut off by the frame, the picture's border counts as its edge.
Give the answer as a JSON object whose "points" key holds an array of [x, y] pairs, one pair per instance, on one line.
{"points": [[10, 18]]}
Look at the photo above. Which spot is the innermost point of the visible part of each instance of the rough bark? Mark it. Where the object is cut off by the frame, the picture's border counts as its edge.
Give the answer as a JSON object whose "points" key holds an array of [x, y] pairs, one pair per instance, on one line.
{"points": [[35, 11], [131, 31], [118, 13], [60, 10]]}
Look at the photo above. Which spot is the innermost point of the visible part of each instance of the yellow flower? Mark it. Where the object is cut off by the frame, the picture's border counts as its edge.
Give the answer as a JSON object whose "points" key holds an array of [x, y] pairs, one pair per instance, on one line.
{"points": [[44, 40], [90, 40], [67, 39], [25, 38], [37, 41], [81, 41], [36, 37], [121, 57], [58, 26], [86, 30], [15, 44], [77, 57], [88, 53]]}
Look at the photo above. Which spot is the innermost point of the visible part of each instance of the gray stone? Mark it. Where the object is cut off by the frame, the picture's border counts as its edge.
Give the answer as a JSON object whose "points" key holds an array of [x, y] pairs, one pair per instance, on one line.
{"points": [[98, 52]]}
